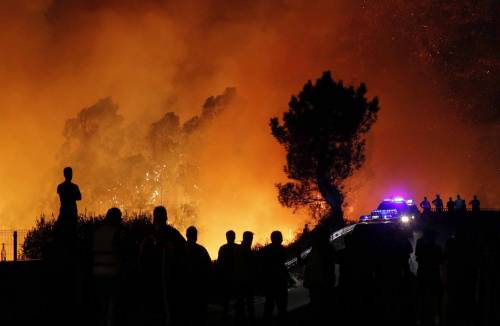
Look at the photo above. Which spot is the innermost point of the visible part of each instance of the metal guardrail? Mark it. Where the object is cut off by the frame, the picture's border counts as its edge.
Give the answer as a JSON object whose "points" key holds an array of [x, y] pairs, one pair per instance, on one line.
{"points": [[334, 236]]}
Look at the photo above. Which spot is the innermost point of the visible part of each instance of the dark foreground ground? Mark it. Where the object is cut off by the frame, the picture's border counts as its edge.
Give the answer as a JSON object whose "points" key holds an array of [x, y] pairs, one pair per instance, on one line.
{"points": [[28, 290]]}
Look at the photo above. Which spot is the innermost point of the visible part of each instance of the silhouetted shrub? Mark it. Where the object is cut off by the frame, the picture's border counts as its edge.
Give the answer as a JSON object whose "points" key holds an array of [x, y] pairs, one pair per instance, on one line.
{"points": [[38, 239]]}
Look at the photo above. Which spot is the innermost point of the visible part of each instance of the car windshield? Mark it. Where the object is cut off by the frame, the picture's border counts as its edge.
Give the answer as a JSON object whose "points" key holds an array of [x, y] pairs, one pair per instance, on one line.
{"points": [[385, 205]]}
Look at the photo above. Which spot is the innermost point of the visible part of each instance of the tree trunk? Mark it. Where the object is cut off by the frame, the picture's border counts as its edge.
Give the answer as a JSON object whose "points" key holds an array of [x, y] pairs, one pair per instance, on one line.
{"points": [[333, 197]]}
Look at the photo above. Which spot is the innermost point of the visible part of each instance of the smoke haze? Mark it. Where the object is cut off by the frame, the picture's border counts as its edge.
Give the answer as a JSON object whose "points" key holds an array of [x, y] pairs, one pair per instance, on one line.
{"points": [[437, 80]]}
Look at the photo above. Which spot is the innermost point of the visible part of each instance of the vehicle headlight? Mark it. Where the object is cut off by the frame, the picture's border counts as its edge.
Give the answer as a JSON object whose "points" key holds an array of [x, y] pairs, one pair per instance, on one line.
{"points": [[405, 219]]}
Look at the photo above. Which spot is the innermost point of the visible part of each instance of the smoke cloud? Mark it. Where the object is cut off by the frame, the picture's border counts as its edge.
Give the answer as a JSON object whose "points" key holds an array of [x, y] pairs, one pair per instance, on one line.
{"points": [[131, 62]]}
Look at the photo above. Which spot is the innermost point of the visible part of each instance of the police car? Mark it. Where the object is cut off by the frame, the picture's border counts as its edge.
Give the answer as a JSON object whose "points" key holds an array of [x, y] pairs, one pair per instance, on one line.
{"points": [[395, 209]]}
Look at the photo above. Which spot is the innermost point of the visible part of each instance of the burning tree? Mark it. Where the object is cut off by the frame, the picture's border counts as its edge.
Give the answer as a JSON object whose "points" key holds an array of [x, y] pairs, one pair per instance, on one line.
{"points": [[138, 166], [323, 133]]}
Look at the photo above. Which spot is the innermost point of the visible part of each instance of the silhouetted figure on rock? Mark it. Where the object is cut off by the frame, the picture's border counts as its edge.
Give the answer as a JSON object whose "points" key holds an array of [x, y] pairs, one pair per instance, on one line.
{"points": [[246, 272], [275, 278], [161, 260], [69, 194], [226, 270], [475, 204], [106, 269], [198, 275], [438, 204], [429, 257], [319, 276]]}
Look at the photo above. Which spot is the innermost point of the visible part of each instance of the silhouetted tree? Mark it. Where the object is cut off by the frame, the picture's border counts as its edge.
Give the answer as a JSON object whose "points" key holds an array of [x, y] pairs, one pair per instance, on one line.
{"points": [[323, 134]]}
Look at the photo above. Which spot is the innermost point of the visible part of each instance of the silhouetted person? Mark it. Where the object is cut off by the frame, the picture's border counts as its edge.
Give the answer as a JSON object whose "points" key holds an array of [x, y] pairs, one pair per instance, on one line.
{"points": [[391, 284], [450, 205], [226, 270], [198, 269], [475, 204], [319, 276], [460, 204], [304, 241], [404, 278], [356, 278], [429, 257], [69, 194], [488, 285], [63, 256], [106, 268], [461, 277], [161, 260], [245, 275], [346, 263], [275, 278], [426, 206], [438, 204]]}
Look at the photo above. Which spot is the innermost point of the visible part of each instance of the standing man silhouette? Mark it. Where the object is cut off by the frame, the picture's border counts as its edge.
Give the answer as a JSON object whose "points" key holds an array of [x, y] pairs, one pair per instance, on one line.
{"points": [[275, 279], [67, 271], [198, 276], [450, 205], [460, 205], [426, 206], [246, 271], [475, 204], [226, 270], [438, 203], [69, 194]]}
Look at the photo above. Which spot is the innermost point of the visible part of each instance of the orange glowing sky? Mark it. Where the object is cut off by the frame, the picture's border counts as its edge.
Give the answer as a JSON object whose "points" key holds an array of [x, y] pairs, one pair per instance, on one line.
{"points": [[61, 56]]}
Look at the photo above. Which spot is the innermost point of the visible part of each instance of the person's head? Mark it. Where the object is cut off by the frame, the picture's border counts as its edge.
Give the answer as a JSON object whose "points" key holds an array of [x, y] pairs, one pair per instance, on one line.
{"points": [[475, 196], [458, 196], [425, 198], [451, 199], [192, 234], [230, 236], [159, 216], [276, 237], [437, 195], [113, 216], [247, 238], [68, 173]]}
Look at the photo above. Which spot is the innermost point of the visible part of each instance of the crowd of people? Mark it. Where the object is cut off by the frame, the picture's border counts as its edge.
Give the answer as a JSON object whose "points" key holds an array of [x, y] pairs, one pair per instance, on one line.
{"points": [[178, 279], [457, 205], [456, 281], [177, 274]]}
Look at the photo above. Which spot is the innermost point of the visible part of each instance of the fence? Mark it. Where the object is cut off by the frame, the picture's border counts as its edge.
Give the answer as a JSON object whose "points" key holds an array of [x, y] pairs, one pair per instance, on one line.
{"points": [[12, 241]]}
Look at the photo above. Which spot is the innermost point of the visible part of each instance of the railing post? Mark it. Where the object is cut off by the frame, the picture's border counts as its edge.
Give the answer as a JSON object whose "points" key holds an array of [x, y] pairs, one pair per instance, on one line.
{"points": [[15, 246]]}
